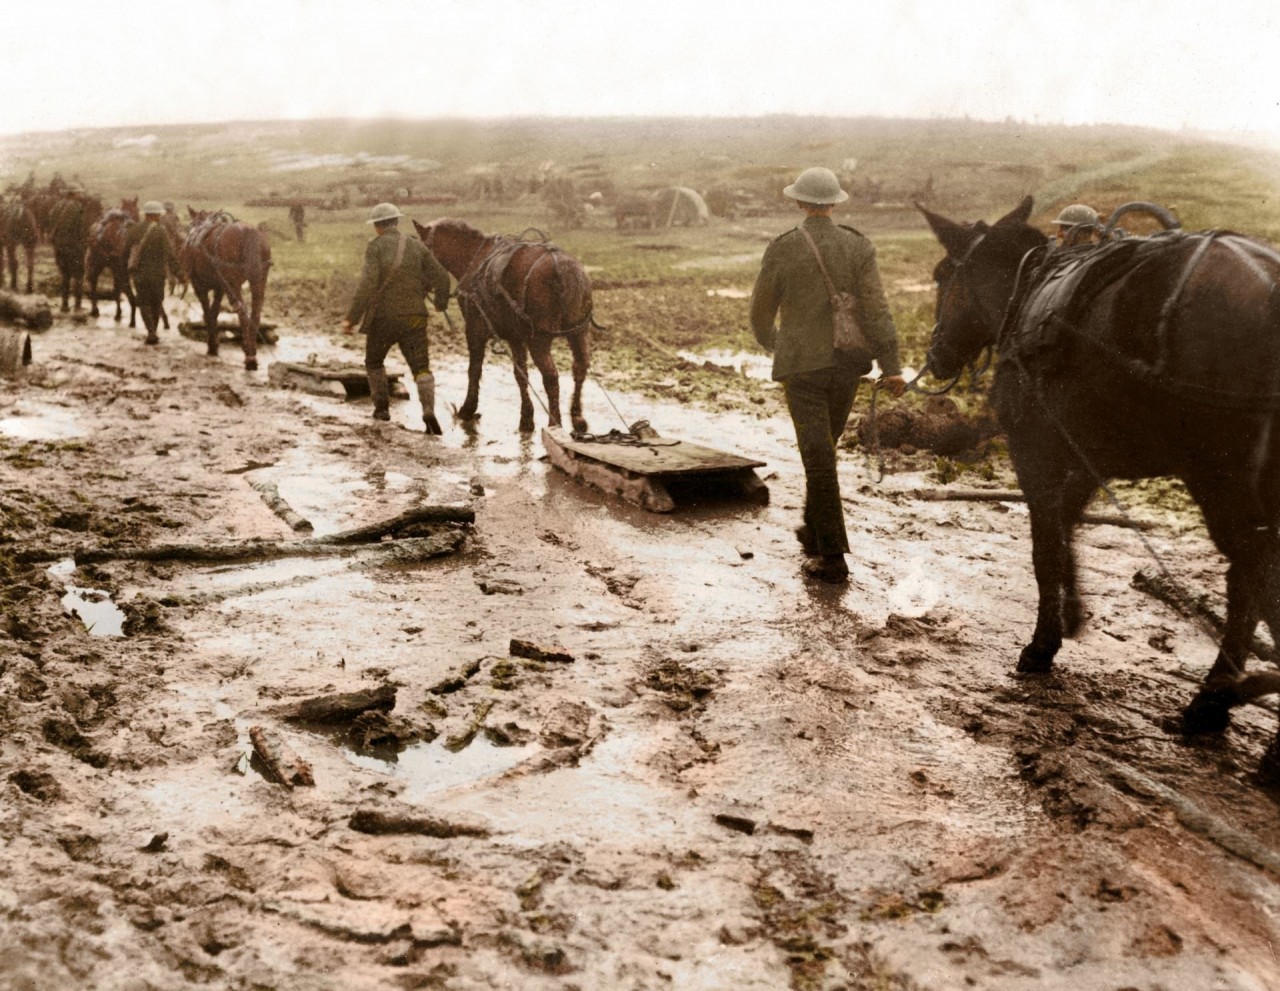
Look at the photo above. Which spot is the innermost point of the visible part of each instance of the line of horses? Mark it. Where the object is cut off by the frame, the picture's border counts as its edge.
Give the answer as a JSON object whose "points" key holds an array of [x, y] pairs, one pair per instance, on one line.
{"points": [[216, 254]]}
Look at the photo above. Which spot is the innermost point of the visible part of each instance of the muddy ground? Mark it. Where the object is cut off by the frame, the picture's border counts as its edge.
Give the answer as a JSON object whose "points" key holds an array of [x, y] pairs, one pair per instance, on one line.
{"points": [[742, 779]]}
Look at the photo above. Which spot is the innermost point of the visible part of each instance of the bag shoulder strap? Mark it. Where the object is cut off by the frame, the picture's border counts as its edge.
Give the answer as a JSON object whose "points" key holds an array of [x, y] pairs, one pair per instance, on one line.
{"points": [[813, 246]]}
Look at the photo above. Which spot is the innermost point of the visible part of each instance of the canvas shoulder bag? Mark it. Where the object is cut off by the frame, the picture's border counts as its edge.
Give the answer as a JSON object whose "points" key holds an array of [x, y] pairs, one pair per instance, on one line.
{"points": [[848, 334]]}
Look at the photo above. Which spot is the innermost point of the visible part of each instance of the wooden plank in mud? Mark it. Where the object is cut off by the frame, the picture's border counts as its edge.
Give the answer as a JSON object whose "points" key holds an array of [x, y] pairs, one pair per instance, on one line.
{"points": [[649, 475], [343, 381], [15, 351]]}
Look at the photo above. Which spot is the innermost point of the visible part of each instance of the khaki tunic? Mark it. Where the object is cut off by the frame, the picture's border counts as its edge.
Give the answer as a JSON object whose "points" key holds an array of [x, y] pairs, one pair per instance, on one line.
{"points": [[155, 257], [418, 276], [790, 281]]}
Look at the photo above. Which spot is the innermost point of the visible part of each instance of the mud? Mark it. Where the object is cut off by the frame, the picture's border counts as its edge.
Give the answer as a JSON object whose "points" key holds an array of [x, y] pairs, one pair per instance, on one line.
{"points": [[741, 779]]}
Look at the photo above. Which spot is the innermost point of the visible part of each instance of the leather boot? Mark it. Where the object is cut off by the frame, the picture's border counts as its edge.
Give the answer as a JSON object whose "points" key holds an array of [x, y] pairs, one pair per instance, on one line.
{"points": [[427, 395], [380, 391]]}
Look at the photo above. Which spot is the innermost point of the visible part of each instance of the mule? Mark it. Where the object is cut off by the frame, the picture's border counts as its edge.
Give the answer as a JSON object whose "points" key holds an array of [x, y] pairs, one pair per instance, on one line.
{"points": [[525, 292], [1143, 357], [219, 255], [19, 229], [105, 251]]}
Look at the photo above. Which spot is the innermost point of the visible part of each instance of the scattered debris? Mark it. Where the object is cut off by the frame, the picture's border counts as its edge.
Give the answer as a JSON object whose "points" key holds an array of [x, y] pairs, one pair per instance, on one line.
{"points": [[739, 824], [533, 652], [566, 725], [271, 496], [462, 740], [339, 708], [281, 763], [457, 680], [389, 823]]}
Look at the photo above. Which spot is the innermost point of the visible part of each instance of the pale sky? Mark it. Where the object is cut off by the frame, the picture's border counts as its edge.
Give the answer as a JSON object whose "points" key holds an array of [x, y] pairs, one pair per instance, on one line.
{"points": [[1207, 64]]}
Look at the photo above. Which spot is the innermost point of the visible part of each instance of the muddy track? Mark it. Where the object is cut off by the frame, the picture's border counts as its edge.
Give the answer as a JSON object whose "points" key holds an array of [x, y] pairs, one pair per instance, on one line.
{"points": [[737, 780]]}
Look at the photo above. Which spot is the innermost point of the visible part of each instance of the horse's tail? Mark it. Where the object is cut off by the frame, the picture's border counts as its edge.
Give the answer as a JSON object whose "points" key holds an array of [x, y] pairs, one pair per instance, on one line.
{"points": [[573, 292]]}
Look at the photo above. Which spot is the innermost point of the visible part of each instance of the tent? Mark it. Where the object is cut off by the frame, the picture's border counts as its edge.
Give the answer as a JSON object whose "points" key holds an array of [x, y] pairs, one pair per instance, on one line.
{"points": [[679, 206]]}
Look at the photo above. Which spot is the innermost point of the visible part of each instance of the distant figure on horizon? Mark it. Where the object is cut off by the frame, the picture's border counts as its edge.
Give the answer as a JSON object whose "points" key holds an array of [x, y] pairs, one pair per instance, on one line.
{"points": [[298, 216]]}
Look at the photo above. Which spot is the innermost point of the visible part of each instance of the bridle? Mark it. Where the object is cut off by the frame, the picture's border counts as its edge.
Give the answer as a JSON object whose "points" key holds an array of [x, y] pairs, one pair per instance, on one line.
{"points": [[957, 268]]}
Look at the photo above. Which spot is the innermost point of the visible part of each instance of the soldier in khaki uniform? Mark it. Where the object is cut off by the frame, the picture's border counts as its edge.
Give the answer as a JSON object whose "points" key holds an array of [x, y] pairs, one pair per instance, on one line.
{"points": [[151, 258], [399, 272], [819, 381], [68, 230], [1077, 224]]}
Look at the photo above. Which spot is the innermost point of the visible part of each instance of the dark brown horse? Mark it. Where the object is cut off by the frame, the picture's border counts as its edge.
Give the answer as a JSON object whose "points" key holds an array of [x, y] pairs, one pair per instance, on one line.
{"points": [[1137, 358], [70, 221], [220, 254], [19, 230], [105, 251], [527, 293]]}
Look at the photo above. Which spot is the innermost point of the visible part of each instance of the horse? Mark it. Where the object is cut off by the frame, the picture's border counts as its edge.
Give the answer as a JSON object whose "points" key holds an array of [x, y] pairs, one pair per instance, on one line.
{"points": [[70, 221], [105, 250], [525, 292], [19, 229], [1141, 357], [219, 254]]}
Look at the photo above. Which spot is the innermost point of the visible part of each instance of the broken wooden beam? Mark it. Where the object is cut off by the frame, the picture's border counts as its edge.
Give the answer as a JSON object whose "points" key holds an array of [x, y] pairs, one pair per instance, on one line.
{"points": [[341, 707], [281, 763], [399, 524], [270, 493], [390, 823], [1164, 588], [340, 381], [407, 549]]}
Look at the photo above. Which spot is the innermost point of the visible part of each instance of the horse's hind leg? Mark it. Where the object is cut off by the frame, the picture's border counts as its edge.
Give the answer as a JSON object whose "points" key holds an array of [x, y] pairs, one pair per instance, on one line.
{"points": [[520, 362], [580, 345], [31, 264], [540, 350], [248, 330]]}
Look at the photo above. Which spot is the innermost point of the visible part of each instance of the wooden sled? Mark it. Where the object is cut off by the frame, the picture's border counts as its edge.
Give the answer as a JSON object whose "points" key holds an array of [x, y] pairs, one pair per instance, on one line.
{"points": [[658, 475]]}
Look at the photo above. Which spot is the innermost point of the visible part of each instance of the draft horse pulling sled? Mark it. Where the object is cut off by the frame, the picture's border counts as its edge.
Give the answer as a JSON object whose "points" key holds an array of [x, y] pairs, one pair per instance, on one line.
{"points": [[1136, 358], [219, 255], [525, 292]]}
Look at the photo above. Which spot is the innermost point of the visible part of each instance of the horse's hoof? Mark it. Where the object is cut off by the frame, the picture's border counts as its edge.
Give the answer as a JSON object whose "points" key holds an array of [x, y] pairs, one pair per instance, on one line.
{"points": [[1208, 712], [1035, 660], [432, 426], [579, 425], [212, 352], [250, 365], [117, 319], [152, 340]]}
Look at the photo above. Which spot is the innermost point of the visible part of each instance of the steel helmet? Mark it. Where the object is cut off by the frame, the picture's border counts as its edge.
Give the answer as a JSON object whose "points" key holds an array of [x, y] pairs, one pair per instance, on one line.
{"points": [[384, 211], [152, 207], [1077, 214], [816, 185]]}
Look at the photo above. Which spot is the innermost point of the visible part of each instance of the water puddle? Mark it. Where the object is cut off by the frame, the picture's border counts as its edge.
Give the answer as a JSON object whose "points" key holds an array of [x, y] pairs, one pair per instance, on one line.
{"points": [[101, 616], [37, 421], [428, 768]]}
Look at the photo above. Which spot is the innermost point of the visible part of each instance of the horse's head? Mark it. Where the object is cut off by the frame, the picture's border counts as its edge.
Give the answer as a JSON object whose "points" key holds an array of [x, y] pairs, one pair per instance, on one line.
{"points": [[453, 242], [975, 281], [130, 207], [197, 215]]}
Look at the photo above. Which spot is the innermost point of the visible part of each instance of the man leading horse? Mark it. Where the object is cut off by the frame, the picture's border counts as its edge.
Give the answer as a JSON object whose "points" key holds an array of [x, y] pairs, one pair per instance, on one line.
{"points": [[389, 308]]}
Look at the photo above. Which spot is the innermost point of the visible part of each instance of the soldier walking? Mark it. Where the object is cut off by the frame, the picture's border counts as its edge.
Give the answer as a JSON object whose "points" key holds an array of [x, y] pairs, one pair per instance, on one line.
{"points": [[798, 275], [151, 258], [298, 217], [67, 231], [389, 308]]}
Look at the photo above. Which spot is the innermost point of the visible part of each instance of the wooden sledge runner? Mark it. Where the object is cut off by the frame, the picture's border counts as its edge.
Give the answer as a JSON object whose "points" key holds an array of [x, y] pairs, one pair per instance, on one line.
{"points": [[342, 381], [655, 475]]}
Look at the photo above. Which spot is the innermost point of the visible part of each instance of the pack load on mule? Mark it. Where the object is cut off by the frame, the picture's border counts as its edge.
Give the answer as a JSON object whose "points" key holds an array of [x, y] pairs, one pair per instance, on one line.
{"points": [[1135, 358], [527, 292], [105, 250], [219, 255]]}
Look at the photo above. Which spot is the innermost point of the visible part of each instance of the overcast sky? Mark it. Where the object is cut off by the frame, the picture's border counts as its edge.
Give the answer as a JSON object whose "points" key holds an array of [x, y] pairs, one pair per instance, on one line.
{"points": [[1207, 64]]}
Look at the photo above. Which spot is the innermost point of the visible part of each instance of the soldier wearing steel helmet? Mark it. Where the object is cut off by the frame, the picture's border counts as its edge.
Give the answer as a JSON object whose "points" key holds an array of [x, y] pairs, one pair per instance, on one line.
{"points": [[388, 306], [149, 251], [819, 381], [1077, 224]]}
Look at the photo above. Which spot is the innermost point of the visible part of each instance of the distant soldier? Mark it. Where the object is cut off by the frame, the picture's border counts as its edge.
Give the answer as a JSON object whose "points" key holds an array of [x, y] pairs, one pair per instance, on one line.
{"points": [[399, 273], [818, 380], [298, 217], [151, 258], [1076, 225]]}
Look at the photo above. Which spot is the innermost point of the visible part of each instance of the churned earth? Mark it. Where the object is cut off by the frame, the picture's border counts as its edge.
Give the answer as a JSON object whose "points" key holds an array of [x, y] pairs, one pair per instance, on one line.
{"points": [[741, 779]]}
